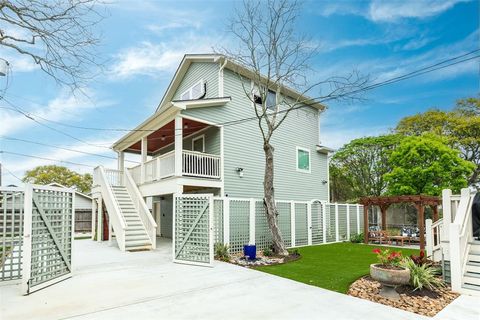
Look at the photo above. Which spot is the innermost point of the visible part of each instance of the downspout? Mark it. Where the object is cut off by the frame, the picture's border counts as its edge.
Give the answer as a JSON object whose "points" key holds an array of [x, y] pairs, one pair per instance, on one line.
{"points": [[220, 78]]}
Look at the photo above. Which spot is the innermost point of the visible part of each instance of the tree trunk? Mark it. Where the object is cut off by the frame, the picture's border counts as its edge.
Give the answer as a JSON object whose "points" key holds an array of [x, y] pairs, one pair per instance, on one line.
{"points": [[271, 207]]}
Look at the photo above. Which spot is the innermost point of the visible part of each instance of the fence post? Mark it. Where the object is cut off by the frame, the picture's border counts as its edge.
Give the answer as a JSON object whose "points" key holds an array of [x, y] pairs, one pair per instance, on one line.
{"points": [[292, 221], [358, 218], [100, 220], [27, 237], [94, 217], [252, 221], [348, 222], [455, 263], [226, 221], [429, 237], [324, 222], [309, 223], [337, 234], [447, 212]]}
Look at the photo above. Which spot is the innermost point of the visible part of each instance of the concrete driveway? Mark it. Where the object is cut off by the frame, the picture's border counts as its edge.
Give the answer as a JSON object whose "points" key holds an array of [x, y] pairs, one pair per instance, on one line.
{"points": [[109, 284]]}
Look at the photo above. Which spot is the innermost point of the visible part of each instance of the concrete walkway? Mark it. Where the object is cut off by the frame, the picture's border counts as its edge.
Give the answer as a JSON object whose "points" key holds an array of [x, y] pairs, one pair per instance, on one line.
{"points": [[109, 284]]}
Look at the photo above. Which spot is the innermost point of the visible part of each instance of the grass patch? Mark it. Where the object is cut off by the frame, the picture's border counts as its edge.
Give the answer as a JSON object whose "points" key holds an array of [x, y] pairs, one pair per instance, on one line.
{"points": [[332, 266]]}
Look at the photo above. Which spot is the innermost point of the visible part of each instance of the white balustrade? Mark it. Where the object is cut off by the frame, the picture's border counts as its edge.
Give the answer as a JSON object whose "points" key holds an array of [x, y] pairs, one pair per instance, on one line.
{"points": [[197, 164]]}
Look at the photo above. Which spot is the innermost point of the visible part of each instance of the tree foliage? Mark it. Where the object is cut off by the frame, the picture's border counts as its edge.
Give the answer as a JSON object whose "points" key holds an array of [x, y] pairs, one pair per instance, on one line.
{"points": [[460, 128], [425, 165], [360, 165], [59, 174]]}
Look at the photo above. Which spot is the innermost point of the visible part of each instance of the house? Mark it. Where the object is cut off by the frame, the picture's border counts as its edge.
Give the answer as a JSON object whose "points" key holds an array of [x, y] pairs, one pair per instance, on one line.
{"points": [[195, 144], [83, 210]]}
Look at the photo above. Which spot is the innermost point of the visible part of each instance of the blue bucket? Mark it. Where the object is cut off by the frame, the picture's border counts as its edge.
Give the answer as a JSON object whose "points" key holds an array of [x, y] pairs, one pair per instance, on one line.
{"points": [[250, 251]]}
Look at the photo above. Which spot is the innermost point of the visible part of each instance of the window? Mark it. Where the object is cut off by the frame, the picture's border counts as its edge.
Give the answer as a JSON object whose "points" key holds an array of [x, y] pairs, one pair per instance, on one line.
{"points": [[303, 159], [198, 143], [271, 99], [197, 91]]}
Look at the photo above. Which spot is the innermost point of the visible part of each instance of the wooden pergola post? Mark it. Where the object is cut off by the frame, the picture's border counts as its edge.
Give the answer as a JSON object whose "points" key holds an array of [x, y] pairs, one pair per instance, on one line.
{"points": [[383, 209], [421, 224], [365, 223]]}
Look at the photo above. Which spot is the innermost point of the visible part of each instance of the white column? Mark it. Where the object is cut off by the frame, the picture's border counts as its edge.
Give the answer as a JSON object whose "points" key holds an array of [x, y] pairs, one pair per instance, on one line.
{"points": [[309, 223], [292, 221], [178, 145], [120, 160], [100, 220], [348, 221], [429, 238], [337, 234], [226, 221], [455, 258], [144, 153], [447, 213], [252, 222]]}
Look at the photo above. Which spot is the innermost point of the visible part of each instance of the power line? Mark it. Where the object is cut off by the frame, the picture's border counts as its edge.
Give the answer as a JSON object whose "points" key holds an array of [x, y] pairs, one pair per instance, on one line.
{"points": [[11, 173], [49, 159], [62, 148]]}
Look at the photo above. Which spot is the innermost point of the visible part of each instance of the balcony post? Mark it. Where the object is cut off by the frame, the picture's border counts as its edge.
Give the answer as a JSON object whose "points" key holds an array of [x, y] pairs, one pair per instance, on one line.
{"points": [[178, 145], [120, 160], [144, 152]]}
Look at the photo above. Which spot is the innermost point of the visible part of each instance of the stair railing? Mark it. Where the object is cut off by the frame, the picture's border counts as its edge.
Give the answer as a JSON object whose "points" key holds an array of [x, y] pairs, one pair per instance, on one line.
{"points": [[434, 234], [460, 238], [141, 207], [115, 216]]}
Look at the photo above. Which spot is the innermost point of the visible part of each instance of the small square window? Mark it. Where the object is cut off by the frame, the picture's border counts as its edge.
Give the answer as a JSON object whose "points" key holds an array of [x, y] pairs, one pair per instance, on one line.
{"points": [[271, 99], [303, 160]]}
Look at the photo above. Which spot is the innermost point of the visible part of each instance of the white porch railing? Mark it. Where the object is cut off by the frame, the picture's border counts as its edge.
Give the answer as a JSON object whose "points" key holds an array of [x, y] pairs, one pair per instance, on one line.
{"points": [[105, 178], [194, 164], [434, 232], [141, 208], [197, 164], [460, 238]]}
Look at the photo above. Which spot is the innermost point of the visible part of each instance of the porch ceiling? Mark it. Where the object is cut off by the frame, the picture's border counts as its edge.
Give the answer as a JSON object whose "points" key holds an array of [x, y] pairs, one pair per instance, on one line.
{"points": [[165, 136]]}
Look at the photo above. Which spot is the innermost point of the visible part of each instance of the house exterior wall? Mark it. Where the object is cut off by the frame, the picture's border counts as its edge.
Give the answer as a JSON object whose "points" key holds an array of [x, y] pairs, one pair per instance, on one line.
{"points": [[243, 144], [82, 202], [200, 70]]}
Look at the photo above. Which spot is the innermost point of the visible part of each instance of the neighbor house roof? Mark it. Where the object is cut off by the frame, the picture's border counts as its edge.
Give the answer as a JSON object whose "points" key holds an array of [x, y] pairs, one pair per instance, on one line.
{"points": [[55, 184]]}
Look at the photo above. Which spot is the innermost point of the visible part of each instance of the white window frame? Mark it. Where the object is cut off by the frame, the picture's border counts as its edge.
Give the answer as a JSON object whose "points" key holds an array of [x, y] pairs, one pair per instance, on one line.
{"points": [[189, 90], [203, 142], [309, 160]]}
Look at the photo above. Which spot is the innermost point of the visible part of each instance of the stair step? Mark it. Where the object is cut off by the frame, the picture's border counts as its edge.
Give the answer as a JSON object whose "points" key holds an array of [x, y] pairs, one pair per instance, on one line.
{"points": [[137, 243], [139, 248], [471, 278], [473, 257], [135, 232], [473, 267], [138, 237], [471, 286]]}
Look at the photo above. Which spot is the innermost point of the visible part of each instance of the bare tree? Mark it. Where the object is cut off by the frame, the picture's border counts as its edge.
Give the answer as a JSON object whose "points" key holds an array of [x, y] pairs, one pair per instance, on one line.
{"points": [[58, 35], [279, 58]]}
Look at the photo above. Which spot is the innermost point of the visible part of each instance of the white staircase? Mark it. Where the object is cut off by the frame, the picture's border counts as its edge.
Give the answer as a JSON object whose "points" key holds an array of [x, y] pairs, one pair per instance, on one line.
{"points": [[133, 225], [471, 276], [136, 237]]}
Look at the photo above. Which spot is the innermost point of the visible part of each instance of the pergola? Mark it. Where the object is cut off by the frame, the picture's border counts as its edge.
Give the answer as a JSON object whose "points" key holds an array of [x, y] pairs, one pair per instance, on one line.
{"points": [[383, 202]]}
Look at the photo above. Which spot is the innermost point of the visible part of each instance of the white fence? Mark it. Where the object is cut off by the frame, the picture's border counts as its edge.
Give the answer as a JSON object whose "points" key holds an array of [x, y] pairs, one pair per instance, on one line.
{"points": [[240, 221]]}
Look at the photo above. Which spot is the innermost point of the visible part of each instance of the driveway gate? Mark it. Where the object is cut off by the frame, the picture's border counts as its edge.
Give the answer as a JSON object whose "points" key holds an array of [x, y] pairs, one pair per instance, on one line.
{"points": [[48, 236], [193, 229]]}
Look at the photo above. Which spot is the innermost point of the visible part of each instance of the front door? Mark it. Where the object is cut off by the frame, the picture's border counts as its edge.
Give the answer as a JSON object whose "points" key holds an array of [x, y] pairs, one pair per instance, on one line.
{"points": [[193, 229]]}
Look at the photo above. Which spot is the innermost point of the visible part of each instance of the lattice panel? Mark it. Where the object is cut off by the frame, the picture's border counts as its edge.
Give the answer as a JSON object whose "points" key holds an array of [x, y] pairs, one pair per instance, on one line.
{"points": [[353, 220], [218, 221], [52, 223], [284, 222], [361, 219], [263, 236], [301, 224], [192, 229], [330, 216], [11, 230], [317, 223], [342, 221], [239, 224]]}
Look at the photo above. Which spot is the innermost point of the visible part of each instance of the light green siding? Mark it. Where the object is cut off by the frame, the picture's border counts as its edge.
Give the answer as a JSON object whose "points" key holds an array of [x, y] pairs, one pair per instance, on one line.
{"points": [[243, 148], [197, 71]]}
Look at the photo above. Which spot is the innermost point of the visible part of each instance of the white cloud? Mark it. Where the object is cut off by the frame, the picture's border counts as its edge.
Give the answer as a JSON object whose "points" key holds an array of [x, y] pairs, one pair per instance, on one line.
{"points": [[335, 137], [393, 10]]}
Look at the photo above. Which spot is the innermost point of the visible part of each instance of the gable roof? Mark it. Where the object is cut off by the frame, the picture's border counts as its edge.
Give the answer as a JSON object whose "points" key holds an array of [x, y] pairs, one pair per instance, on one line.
{"points": [[55, 184]]}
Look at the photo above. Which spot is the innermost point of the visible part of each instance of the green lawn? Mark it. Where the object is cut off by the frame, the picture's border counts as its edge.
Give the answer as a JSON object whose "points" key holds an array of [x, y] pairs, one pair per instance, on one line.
{"points": [[332, 266]]}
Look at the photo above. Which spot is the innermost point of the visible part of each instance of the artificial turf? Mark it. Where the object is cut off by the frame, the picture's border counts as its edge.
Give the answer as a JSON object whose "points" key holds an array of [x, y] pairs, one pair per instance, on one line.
{"points": [[332, 266]]}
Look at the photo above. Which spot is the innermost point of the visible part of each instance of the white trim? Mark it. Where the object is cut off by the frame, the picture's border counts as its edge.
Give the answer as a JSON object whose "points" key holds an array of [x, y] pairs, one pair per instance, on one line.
{"points": [[199, 103], [309, 160], [202, 136], [198, 120], [292, 222], [200, 82]]}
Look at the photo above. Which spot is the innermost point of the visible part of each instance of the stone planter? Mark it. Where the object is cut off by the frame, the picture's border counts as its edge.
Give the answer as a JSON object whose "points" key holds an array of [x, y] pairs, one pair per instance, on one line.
{"points": [[389, 278]]}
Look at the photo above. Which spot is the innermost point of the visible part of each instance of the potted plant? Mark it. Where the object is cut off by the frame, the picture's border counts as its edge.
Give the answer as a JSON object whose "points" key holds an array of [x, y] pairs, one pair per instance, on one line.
{"points": [[389, 272]]}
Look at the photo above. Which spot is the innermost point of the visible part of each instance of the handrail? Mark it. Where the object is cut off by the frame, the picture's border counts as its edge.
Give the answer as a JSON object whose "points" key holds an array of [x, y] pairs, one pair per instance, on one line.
{"points": [[141, 207], [113, 209]]}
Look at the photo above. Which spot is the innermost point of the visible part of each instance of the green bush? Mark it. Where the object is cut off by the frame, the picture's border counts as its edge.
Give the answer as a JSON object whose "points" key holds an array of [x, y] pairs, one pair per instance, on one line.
{"points": [[357, 238], [267, 252], [422, 275], [221, 252]]}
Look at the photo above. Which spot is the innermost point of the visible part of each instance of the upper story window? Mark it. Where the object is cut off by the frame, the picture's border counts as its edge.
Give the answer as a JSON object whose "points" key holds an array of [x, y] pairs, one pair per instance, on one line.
{"points": [[197, 91], [271, 99], [303, 160]]}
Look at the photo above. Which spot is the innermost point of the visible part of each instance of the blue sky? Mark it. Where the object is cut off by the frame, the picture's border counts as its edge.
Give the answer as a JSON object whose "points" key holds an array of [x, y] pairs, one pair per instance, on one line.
{"points": [[143, 42]]}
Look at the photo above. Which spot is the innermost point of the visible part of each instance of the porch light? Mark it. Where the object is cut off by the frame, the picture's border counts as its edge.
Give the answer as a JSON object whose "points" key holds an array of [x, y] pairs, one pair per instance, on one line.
{"points": [[162, 138], [185, 126]]}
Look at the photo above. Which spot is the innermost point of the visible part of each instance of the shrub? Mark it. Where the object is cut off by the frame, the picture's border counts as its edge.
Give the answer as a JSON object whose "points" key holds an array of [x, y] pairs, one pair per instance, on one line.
{"points": [[422, 275], [267, 252], [357, 238], [221, 252], [387, 258]]}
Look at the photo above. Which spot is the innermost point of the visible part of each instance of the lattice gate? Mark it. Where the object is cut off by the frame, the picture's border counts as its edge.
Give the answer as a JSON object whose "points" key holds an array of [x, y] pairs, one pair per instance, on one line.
{"points": [[193, 229], [48, 236]]}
